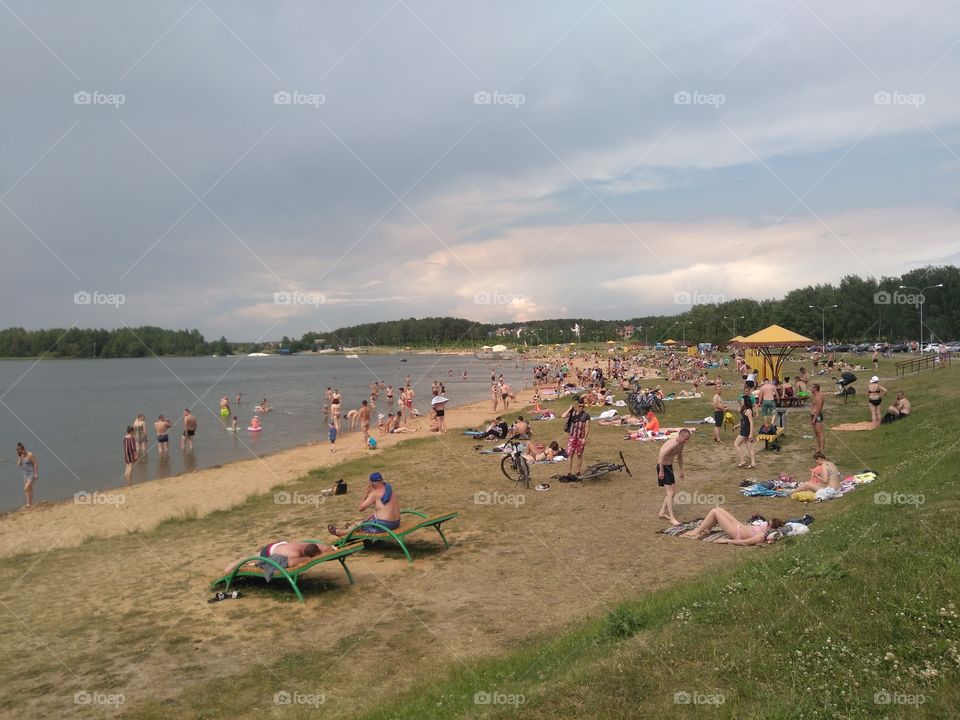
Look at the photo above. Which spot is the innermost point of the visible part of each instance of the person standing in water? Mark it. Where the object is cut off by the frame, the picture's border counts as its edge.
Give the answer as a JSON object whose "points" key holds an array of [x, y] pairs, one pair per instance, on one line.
{"points": [[129, 454], [140, 432], [161, 427], [31, 471], [189, 430]]}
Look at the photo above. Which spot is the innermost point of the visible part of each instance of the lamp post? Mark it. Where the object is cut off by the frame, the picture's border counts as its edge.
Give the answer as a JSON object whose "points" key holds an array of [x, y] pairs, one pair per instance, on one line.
{"points": [[683, 330], [923, 299], [823, 332], [734, 318]]}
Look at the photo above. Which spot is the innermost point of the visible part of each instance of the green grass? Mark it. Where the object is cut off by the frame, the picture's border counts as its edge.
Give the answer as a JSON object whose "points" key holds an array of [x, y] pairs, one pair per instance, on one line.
{"points": [[864, 609]]}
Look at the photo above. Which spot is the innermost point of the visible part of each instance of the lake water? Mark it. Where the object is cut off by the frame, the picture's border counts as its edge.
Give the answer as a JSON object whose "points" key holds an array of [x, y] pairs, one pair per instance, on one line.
{"points": [[72, 414]]}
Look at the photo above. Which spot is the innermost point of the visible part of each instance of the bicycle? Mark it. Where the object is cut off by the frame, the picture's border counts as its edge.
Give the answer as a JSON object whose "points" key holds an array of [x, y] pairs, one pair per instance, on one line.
{"points": [[515, 466], [596, 470], [640, 404]]}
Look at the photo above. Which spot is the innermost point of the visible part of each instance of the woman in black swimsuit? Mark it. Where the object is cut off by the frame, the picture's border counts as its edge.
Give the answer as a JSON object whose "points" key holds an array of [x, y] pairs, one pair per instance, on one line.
{"points": [[745, 437], [875, 393]]}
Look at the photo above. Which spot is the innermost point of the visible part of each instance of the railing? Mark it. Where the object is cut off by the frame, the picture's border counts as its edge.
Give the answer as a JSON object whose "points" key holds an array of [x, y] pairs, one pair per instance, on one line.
{"points": [[924, 362]]}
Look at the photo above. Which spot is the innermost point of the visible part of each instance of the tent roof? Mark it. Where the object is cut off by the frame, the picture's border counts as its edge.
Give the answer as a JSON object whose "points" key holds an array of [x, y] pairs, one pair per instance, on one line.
{"points": [[738, 338], [499, 348], [670, 342], [775, 336]]}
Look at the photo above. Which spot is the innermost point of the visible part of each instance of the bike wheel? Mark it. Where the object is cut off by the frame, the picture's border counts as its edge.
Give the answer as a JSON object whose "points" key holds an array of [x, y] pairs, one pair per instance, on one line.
{"points": [[524, 471], [509, 468], [657, 405]]}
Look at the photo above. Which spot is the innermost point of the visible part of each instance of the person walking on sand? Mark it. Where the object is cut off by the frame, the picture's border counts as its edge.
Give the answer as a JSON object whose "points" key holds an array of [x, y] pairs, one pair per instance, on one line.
{"points": [[745, 436], [332, 434], [505, 395], [335, 408], [162, 428], [578, 425], [364, 417], [494, 394], [816, 414], [671, 453], [719, 410], [129, 454], [30, 469], [189, 430]]}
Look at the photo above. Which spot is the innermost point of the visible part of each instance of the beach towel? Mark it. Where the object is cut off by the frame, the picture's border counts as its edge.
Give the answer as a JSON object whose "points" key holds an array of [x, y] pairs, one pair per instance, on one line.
{"points": [[605, 415], [758, 490], [804, 496]]}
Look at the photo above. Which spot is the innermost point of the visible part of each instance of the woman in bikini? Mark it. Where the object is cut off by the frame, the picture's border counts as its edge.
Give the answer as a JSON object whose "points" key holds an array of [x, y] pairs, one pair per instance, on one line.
{"points": [[824, 475], [875, 393], [140, 432], [740, 533], [335, 409]]}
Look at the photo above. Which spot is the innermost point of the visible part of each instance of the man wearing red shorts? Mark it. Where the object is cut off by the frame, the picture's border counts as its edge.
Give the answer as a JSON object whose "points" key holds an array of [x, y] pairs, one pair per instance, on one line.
{"points": [[578, 425]]}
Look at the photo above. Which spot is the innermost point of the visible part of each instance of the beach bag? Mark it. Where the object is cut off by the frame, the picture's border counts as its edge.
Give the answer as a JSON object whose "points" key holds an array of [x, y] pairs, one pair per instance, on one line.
{"points": [[340, 488]]}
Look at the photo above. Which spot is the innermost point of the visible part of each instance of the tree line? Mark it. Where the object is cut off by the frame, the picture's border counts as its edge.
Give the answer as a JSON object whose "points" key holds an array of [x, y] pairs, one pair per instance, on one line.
{"points": [[866, 310]]}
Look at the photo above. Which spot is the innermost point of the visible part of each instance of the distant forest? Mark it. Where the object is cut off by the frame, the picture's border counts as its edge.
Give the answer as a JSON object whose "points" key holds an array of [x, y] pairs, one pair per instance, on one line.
{"points": [[867, 310]]}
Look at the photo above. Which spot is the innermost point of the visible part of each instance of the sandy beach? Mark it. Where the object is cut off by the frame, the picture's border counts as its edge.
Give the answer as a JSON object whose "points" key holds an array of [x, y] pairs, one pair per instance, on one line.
{"points": [[105, 513]]}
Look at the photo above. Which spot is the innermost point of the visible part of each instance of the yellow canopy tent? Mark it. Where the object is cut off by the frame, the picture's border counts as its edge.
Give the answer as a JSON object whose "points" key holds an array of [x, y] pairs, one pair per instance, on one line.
{"points": [[769, 347], [736, 339], [670, 342]]}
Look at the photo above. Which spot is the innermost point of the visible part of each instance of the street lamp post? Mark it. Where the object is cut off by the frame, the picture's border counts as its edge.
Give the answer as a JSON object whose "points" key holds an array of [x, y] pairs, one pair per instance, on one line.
{"points": [[735, 318], [923, 299], [823, 331], [683, 330]]}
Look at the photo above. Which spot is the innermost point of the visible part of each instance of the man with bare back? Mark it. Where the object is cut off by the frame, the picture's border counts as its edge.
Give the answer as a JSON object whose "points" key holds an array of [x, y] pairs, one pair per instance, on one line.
{"points": [[671, 453]]}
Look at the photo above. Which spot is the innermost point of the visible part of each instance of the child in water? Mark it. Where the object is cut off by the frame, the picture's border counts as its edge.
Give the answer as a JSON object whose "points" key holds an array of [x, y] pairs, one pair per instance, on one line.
{"points": [[235, 425]]}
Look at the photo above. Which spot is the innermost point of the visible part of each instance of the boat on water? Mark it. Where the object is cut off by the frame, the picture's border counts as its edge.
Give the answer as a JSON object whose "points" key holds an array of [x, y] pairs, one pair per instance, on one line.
{"points": [[352, 357], [258, 355]]}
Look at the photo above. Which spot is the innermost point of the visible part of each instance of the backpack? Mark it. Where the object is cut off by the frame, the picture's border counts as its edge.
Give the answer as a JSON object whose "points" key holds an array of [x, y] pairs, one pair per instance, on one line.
{"points": [[340, 488]]}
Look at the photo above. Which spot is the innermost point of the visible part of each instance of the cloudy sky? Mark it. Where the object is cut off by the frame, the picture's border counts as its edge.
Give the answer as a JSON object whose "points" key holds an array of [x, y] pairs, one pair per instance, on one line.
{"points": [[256, 170]]}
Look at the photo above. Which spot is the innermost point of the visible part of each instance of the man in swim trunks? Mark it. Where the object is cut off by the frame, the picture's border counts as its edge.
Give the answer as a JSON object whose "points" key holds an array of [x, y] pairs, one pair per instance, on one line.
{"points": [[386, 508], [505, 395], [899, 410], [189, 429], [719, 410], [296, 553], [579, 429], [768, 402], [162, 427], [670, 453], [365, 420], [816, 414]]}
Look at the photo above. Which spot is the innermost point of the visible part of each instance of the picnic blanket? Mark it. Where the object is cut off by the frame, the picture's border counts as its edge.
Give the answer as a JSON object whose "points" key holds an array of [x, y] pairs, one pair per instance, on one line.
{"points": [[677, 530]]}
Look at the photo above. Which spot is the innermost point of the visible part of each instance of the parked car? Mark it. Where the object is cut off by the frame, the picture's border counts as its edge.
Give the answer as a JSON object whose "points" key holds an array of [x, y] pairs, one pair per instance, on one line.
{"points": [[901, 347]]}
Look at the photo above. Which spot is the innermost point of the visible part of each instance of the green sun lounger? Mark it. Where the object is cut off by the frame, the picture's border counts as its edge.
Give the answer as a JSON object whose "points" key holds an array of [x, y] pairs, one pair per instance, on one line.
{"points": [[410, 522], [248, 567]]}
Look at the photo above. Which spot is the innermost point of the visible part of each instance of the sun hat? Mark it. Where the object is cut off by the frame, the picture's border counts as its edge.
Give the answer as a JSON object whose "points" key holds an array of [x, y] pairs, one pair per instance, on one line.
{"points": [[874, 379]]}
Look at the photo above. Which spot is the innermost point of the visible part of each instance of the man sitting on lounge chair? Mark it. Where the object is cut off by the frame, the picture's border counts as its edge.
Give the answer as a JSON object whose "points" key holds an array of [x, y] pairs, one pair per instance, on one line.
{"points": [[386, 508], [295, 553]]}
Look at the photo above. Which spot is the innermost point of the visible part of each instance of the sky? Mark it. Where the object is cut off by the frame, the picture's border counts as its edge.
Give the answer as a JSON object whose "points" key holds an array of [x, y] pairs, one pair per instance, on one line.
{"points": [[257, 170]]}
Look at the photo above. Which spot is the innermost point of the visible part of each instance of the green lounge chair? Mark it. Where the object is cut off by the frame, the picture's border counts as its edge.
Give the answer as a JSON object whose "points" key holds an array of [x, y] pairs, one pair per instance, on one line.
{"points": [[410, 522], [248, 567]]}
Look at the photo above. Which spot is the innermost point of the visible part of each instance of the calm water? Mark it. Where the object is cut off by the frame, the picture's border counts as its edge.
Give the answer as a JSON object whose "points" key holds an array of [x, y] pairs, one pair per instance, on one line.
{"points": [[72, 414]]}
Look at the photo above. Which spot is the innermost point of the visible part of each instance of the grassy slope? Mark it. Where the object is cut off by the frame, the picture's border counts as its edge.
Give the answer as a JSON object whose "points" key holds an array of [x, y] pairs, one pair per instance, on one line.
{"points": [[825, 626]]}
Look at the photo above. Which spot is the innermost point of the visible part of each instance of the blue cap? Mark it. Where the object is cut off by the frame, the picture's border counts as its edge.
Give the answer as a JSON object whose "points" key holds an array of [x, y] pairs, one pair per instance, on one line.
{"points": [[376, 477]]}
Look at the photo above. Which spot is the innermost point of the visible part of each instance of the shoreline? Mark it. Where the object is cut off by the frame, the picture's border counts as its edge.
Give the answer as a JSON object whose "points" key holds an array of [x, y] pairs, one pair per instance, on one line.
{"points": [[141, 507]]}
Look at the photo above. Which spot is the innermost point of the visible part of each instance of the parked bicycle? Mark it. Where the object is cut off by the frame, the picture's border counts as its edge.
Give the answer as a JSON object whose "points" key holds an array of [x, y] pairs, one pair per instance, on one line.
{"points": [[514, 465]]}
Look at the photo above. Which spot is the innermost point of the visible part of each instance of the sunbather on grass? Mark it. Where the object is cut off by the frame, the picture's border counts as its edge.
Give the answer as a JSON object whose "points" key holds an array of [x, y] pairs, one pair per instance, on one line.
{"points": [[825, 474], [386, 508], [740, 533], [537, 452], [295, 552]]}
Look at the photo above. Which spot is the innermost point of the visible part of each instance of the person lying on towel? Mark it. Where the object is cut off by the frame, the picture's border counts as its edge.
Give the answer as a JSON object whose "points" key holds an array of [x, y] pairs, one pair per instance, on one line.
{"points": [[824, 475], [285, 554], [386, 508], [739, 533]]}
